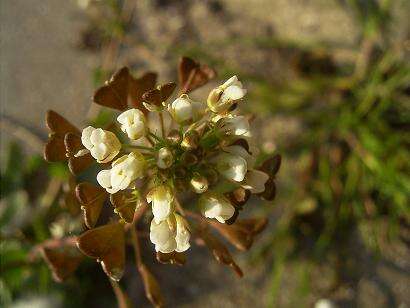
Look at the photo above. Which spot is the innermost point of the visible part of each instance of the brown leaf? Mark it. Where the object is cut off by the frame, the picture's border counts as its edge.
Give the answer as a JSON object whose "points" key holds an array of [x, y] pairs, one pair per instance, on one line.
{"points": [[123, 206], [241, 234], [107, 245], [91, 198], [114, 94], [54, 149], [219, 251], [152, 289], [193, 75], [61, 256], [138, 86], [177, 258]]}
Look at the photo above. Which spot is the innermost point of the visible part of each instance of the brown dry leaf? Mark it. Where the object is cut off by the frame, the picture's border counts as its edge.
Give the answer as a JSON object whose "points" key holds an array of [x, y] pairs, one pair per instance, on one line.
{"points": [[61, 256], [114, 94], [177, 258], [138, 86], [91, 198], [219, 251], [192, 74], [107, 245], [54, 149], [73, 144], [123, 206], [152, 289], [241, 234]]}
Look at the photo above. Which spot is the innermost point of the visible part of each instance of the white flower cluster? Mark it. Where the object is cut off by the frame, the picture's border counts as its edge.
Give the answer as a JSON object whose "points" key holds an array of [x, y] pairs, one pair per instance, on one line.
{"points": [[192, 153]]}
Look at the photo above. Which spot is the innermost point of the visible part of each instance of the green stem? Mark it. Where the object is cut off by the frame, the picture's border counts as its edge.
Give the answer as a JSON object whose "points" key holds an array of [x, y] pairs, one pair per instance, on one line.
{"points": [[161, 120]]}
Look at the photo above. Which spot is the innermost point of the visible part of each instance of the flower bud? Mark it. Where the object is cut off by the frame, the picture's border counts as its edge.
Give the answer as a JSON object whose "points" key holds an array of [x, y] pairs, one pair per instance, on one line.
{"points": [[162, 199], [223, 97], [216, 206], [190, 140], [103, 145], [183, 110], [199, 183], [165, 158], [170, 235], [124, 170], [132, 123]]}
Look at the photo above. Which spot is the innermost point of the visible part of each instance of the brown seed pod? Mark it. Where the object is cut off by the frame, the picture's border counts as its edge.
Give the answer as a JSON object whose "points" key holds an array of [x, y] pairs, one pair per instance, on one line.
{"points": [[107, 245], [91, 199], [114, 94], [193, 75]]}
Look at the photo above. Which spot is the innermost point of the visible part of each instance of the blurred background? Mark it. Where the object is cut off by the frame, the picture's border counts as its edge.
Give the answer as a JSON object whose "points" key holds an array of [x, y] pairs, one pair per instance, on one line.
{"points": [[329, 82]]}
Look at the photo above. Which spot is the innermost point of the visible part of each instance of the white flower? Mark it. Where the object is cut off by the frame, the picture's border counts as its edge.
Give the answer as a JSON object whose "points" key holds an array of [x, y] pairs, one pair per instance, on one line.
{"points": [[124, 170], [255, 181], [216, 206], [183, 234], [103, 145], [170, 235], [223, 97], [236, 125], [132, 123], [183, 110], [162, 199], [232, 167], [242, 152], [165, 158]]}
